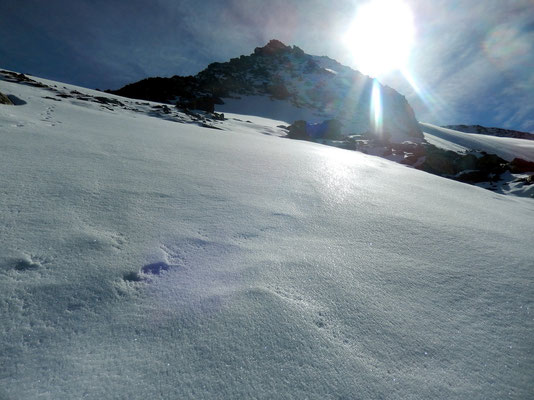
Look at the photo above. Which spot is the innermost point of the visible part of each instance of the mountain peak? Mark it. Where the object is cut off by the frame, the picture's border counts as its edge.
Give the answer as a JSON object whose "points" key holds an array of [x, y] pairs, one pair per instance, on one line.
{"points": [[276, 47], [306, 87], [273, 47]]}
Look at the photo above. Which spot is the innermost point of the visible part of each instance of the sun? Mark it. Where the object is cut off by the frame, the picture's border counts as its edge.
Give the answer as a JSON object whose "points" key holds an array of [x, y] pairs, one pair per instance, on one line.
{"points": [[381, 36]]}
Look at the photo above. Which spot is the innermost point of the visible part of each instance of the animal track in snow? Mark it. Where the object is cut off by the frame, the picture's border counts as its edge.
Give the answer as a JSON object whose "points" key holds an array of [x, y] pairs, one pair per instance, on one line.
{"points": [[46, 116], [117, 240], [244, 236], [314, 312]]}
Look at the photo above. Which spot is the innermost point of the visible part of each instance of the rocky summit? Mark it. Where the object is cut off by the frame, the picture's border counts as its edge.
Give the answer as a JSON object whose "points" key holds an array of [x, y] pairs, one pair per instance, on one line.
{"points": [[289, 78]]}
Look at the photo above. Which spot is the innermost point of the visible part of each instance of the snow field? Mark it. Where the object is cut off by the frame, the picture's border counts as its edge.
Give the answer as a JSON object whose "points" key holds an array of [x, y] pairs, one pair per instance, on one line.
{"points": [[287, 269]]}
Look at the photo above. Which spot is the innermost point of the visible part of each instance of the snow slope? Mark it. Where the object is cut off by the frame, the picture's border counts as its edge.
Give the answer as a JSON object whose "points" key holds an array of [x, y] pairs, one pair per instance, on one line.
{"points": [[506, 148], [145, 258], [484, 130]]}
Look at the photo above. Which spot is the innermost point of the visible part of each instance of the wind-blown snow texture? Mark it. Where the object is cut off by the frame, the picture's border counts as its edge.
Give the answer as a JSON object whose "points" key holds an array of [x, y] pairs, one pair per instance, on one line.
{"points": [[144, 258]]}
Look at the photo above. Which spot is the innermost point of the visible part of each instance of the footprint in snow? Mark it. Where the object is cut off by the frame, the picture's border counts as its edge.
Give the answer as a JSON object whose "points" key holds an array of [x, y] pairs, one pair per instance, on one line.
{"points": [[155, 268], [189, 257]]}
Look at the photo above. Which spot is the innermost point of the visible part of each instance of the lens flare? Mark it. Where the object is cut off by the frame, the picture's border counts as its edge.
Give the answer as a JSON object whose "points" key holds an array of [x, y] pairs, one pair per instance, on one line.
{"points": [[505, 43], [433, 104], [376, 108]]}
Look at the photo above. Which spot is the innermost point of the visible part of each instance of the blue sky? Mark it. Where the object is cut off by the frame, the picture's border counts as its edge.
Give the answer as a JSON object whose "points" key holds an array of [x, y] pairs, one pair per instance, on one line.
{"points": [[472, 61]]}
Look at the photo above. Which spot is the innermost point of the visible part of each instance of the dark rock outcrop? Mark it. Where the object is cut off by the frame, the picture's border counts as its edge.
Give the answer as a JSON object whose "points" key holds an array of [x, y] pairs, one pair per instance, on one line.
{"points": [[449, 163], [5, 100], [161, 89], [518, 166], [15, 77], [297, 130]]}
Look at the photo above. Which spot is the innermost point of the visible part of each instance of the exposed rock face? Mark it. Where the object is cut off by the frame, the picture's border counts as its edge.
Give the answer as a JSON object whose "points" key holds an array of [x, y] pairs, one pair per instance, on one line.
{"points": [[285, 73], [272, 48], [473, 168], [161, 89], [5, 100], [500, 132], [519, 165], [297, 130]]}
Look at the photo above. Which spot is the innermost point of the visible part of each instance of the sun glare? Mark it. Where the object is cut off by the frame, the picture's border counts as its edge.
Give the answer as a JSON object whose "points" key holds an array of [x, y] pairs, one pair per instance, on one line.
{"points": [[380, 37], [376, 108]]}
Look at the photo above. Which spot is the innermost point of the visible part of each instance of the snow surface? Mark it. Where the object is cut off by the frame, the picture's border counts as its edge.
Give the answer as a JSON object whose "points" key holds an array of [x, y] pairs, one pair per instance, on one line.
{"points": [[145, 258], [506, 148]]}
